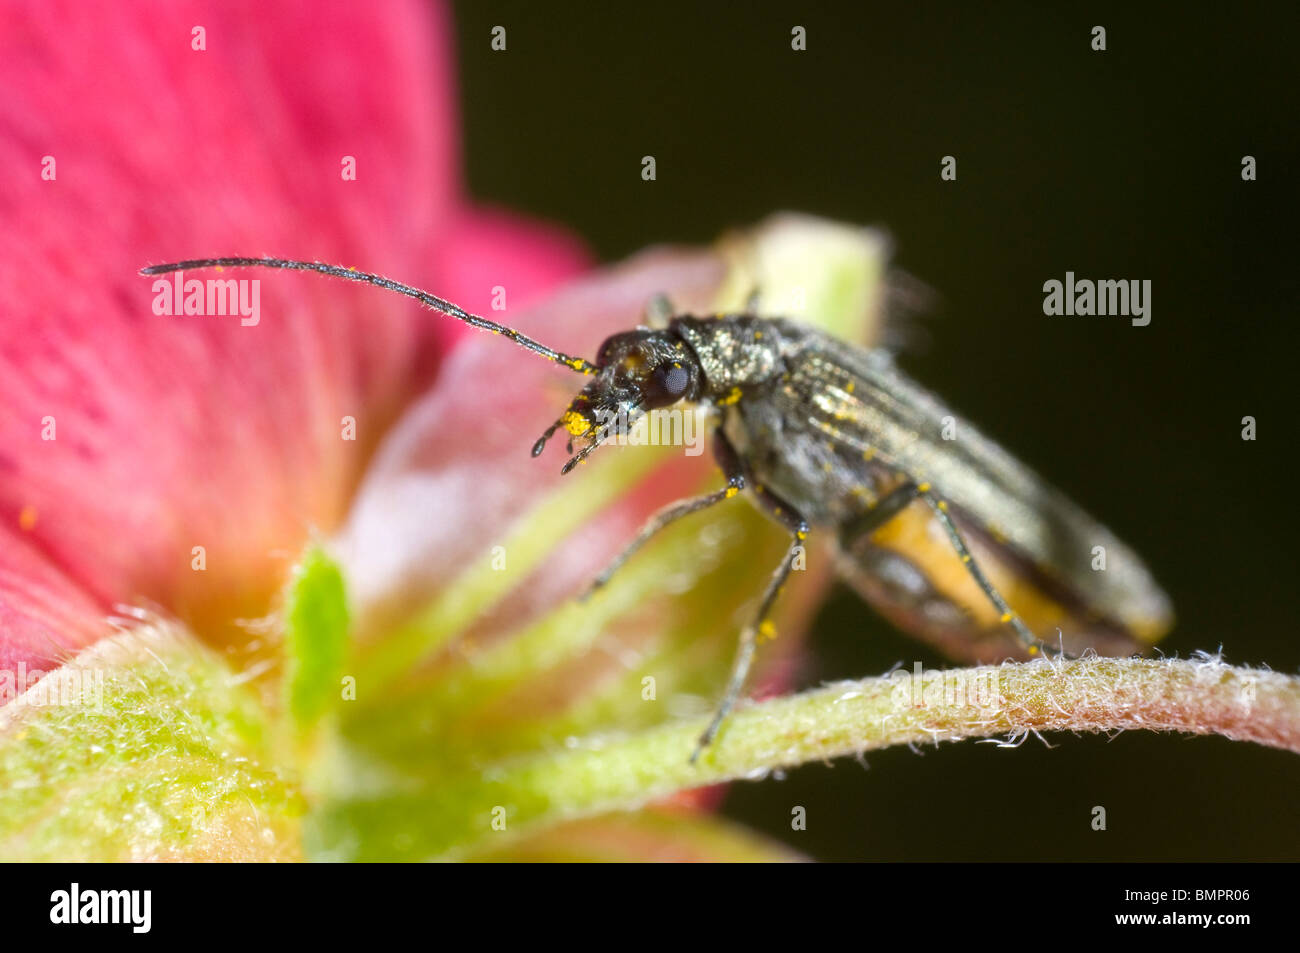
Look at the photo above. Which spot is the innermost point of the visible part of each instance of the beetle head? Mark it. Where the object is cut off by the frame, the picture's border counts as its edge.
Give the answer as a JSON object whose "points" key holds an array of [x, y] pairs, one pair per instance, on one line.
{"points": [[637, 371]]}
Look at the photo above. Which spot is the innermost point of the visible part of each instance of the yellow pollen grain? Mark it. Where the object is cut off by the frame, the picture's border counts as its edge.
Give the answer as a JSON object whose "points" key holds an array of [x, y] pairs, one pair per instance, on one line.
{"points": [[1007, 617], [923, 488], [731, 491], [574, 422], [766, 631]]}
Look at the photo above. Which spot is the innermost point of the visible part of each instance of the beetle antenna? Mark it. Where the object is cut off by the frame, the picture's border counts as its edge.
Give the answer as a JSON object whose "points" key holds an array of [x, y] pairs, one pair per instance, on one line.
{"points": [[351, 274]]}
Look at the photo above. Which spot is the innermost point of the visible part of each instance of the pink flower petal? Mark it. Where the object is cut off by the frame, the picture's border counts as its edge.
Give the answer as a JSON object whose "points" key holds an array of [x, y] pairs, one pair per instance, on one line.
{"points": [[43, 614], [179, 432]]}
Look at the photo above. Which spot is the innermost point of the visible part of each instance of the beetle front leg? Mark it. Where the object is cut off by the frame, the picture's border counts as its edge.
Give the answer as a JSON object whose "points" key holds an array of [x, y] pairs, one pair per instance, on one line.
{"points": [[798, 527], [732, 469]]}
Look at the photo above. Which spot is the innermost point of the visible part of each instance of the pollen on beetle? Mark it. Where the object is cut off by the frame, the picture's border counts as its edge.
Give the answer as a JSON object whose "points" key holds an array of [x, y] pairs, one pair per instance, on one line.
{"points": [[575, 423]]}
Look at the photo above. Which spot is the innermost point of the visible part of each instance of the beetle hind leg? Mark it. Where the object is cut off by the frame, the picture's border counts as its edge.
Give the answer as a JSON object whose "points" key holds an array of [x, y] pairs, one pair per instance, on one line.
{"points": [[1024, 635], [895, 501]]}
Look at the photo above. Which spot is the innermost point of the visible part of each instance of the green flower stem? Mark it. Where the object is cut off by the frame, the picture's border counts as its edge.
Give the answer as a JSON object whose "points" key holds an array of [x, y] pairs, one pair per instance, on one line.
{"points": [[850, 717], [607, 774]]}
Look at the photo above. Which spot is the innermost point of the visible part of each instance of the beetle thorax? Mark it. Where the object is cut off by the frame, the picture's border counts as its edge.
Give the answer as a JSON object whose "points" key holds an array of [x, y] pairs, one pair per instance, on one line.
{"points": [[733, 350]]}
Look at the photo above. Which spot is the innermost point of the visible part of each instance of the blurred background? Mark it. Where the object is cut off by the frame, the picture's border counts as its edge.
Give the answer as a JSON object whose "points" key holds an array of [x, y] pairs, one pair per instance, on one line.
{"points": [[1117, 164]]}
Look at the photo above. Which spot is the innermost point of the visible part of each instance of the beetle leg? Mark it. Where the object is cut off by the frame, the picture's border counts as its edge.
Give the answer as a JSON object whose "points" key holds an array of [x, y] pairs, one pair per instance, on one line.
{"points": [[798, 527], [732, 469], [895, 501], [880, 513], [940, 507], [1032, 644]]}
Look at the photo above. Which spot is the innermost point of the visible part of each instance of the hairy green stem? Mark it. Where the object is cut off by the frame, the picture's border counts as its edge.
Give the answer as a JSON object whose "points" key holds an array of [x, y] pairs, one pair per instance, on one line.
{"points": [[1010, 701]]}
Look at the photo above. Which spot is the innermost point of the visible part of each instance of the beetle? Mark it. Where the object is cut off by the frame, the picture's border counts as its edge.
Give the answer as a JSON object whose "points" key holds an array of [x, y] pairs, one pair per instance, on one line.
{"points": [[934, 523]]}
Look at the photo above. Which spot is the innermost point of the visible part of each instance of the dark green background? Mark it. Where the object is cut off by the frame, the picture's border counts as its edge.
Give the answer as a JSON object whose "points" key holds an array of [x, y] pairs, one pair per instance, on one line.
{"points": [[1122, 164]]}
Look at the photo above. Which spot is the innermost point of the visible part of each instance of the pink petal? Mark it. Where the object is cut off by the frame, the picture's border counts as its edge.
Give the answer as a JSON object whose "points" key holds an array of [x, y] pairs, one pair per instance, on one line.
{"points": [[43, 614], [178, 432]]}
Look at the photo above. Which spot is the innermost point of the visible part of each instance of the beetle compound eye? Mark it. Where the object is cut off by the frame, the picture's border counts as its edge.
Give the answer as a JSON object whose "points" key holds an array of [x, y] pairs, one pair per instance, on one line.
{"points": [[666, 383], [673, 379]]}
